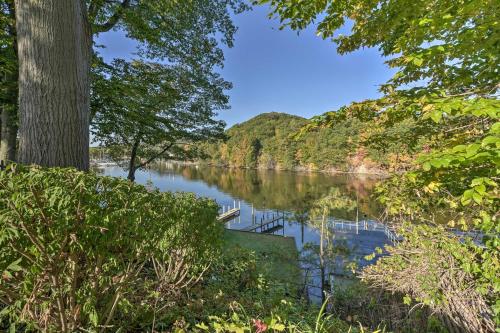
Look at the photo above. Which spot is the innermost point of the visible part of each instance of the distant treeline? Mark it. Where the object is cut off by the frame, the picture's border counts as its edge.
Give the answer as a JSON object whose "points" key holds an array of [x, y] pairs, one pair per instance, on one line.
{"points": [[279, 141]]}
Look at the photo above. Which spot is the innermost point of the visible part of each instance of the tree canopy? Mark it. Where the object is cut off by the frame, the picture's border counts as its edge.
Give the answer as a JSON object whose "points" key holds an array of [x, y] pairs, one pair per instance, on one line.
{"points": [[440, 44], [187, 32], [147, 110], [447, 56]]}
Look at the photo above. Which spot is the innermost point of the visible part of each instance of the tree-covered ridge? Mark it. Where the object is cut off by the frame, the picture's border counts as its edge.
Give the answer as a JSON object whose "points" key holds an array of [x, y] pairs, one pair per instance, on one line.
{"points": [[283, 141]]}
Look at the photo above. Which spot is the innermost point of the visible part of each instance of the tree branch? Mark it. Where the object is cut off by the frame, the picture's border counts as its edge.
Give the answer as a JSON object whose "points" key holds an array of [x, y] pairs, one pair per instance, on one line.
{"points": [[93, 9], [113, 20], [155, 156]]}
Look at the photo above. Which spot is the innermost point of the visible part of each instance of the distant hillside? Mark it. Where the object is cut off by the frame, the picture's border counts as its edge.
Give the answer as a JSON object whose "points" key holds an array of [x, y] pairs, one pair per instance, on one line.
{"points": [[266, 142]]}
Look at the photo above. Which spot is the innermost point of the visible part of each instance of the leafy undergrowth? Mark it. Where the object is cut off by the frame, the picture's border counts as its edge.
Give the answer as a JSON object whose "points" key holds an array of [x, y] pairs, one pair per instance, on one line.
{"points": [[85, 253], [253, 288]]}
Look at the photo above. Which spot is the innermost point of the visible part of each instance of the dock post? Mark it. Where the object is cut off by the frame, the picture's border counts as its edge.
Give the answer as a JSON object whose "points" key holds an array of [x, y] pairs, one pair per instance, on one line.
{"points": [[253, 215], [234, 203]]}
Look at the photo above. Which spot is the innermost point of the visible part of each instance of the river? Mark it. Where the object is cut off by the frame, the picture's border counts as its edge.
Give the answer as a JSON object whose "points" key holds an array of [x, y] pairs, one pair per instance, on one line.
{"points": [[293, 194]]}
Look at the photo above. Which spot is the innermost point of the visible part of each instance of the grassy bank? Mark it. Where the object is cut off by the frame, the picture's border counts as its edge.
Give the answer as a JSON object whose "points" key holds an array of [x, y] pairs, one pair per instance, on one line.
{"points": [[276, 256]]}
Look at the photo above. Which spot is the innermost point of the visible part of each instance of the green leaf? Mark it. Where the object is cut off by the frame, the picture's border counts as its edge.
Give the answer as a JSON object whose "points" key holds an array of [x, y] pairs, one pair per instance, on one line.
{"points": [[202, 326], [417, 61], [495, 128], [467, 197], [459, 148], [436, 115], [278, 327], [490, 140], [481, 189], [14, 267], [472, 149], [477, 181], [478, 198]]}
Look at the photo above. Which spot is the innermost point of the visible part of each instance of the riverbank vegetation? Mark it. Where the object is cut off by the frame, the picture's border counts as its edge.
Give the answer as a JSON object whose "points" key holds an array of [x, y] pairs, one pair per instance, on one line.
{"points": [[446, 54], [81, 252], [85, 252], [279, 141]]}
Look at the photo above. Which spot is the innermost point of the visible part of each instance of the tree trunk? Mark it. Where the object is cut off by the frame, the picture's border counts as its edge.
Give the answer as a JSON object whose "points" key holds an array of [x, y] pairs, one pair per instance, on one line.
{"points": [[55, 47], [8, 113], [8, 135], [132, 167], [322, 259]]}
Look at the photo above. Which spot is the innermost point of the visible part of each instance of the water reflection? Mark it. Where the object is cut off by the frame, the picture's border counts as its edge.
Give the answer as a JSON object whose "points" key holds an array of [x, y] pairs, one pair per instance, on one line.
{"points": [[281, 190], [326, 214]]}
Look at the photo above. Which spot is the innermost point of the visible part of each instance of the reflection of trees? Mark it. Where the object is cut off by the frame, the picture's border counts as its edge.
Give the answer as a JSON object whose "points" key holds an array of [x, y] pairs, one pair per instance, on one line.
{"points": [[328, 249], [282, 190]]}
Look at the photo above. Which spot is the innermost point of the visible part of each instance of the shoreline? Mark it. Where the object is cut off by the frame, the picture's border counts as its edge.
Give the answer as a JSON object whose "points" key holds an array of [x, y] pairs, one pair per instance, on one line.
{"points": [[381, 174]]}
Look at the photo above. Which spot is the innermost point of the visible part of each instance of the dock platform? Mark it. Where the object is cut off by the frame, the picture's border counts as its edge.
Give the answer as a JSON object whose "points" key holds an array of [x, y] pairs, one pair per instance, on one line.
{"points": [[269, 226], [229, 215]]}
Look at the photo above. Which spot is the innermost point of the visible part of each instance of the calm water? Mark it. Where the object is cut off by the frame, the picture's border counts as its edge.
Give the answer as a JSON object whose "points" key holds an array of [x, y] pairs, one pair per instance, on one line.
{"points": [[291, 193]]}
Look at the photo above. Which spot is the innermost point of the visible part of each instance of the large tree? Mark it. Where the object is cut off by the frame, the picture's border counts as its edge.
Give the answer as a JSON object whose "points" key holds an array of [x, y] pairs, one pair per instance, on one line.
{"points": [[54, 50], [55, 40], [144, 111]]}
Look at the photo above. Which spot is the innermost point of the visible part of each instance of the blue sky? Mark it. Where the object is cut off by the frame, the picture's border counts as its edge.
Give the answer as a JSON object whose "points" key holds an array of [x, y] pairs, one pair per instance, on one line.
{"points": [[278, 70]]}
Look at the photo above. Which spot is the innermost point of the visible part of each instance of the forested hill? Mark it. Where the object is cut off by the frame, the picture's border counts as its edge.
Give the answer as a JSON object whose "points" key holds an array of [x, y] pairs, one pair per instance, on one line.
{"points": [[267, 141]]}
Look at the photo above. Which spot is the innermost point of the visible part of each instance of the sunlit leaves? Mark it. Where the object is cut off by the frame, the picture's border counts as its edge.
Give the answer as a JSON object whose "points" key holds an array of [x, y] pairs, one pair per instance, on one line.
{"points": [[76, 238], [445, 43], [448, 51]]}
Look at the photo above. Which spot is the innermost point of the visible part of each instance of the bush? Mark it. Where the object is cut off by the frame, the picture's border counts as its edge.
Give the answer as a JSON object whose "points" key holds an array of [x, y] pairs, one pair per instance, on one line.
{"points": [[80, 251], [428, 268], [239, 296]]}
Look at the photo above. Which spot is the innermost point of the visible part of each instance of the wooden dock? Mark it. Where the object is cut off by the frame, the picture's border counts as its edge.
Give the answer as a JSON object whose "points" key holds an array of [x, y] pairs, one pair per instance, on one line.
{"points": [[267, 226], [229, 215], [366, 225]]}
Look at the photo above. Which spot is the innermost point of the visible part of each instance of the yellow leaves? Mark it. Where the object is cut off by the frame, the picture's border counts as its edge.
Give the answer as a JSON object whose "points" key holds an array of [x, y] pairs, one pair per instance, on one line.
{"points": [[417, 61], [451, 203], [432, 187], [428, 107]]}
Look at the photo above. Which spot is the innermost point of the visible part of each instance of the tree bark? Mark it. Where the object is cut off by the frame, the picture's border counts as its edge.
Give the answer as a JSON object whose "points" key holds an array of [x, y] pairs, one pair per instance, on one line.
{"points": [[8, 135], [132, 167], [55, 48], [8, 112]]}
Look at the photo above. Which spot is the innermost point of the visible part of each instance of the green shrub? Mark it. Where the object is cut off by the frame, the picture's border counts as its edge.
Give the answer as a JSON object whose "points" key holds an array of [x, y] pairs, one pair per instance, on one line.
{"points": [[80, 251], [238, 295]]}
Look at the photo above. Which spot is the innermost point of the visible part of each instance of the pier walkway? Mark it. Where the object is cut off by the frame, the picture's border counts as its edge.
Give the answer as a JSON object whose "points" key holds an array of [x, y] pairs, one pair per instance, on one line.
{"points": [[367, 225], [269, 225], [229, 213]]}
